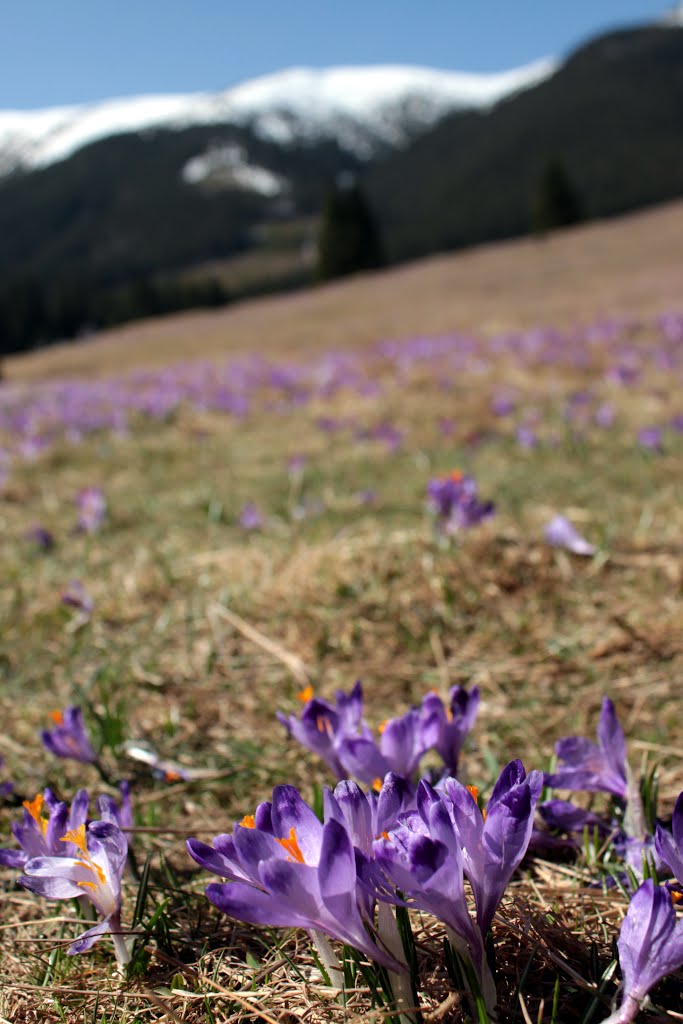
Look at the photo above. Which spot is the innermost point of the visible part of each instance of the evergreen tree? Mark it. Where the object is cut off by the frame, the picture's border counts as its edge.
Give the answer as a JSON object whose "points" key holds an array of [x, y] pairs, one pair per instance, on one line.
{"points": [[556, 203], [348, 240]]}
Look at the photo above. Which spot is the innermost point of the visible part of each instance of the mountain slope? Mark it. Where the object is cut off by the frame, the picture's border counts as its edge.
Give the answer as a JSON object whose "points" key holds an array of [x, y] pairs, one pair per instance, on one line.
{"points": [[360, 108], [612, 115]]}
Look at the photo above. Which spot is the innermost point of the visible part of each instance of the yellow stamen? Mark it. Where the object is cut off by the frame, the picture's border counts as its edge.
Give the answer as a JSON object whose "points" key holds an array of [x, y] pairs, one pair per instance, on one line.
{"points": [[248, 821], [77, 837], [377, 784], [57, 717], [291, 845], [305, 695], [385, 835], [34, 807], [92, 866], [382, 726], [86, 885], [676, 897]]}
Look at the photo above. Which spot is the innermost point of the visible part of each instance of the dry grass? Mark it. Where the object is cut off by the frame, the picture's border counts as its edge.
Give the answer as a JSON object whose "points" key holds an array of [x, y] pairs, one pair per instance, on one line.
{"points": [[200, 631]]}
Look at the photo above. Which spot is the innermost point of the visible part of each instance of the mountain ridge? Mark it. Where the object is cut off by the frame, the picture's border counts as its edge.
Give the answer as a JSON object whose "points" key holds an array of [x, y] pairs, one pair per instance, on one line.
{"points": [[284, 106]]}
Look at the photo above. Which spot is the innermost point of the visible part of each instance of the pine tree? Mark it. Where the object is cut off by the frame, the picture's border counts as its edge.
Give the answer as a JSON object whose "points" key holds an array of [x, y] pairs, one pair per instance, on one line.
{"points": [[348, 239], [556, 203]]}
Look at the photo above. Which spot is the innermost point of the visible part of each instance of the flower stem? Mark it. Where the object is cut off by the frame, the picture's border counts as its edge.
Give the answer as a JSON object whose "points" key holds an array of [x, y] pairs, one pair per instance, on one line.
{"points": [[120, 945], [400, 981], [328, 958]]}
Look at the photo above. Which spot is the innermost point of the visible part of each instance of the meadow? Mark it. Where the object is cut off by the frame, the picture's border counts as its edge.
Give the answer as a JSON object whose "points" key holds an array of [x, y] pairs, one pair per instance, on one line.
{"points": [[264, 528]]}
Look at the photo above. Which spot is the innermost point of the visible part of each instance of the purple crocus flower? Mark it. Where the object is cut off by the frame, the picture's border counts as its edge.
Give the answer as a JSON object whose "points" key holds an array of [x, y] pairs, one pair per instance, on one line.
{"points": [[69, 737], [92, 509], [94, 873], [77, 597], [250, 517], [454, 501], [670, 846], [493, 844], [42, 538], [6, 787], [423, 859], [39, 834], [450, 724], [562, 534], [650, 947], [600, 767], [650, 438], [288, 870], [323, 727]]}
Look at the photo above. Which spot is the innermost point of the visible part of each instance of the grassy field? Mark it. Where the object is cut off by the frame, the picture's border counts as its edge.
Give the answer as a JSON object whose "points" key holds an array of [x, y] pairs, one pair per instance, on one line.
{"points": [[201, 628]]}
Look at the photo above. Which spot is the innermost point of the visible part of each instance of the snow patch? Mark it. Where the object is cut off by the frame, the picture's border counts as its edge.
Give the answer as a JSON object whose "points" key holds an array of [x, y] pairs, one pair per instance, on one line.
{"points": [[229, 166]]}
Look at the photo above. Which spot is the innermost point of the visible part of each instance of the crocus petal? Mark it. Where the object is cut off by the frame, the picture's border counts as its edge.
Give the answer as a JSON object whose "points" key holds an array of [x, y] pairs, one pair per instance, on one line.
{"points": [[246, 903], [89, 938]]}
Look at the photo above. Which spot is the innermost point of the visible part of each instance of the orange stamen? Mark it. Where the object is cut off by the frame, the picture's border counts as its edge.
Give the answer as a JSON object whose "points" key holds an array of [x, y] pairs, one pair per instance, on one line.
{"points": [[676, 897], [385, 835], [382, 726], [86, 885], [456, 475], [57, 717], [248, 821], [170, 775], [77, 837], [34, 808], [305, 695], [291, 845], [377, 784], [322, 723], [474, 792]]}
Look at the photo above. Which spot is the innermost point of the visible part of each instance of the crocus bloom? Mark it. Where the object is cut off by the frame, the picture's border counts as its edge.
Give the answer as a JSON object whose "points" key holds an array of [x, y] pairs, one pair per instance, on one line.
{"points": [[92, 509], [423, 859], [45, 821], [77, 597], [670, 847], [454, 500], [562, 534], [41, 537], [250, 517], [451, 723], [650, 438], [650, 947], [94, 873], [323, 726], [493, 844], [600, 767], [289, 871], [69, 737]]}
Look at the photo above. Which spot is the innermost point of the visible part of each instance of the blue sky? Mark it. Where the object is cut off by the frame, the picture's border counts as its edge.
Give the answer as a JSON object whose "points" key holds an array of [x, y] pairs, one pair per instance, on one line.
{"points": [[74, 51]]}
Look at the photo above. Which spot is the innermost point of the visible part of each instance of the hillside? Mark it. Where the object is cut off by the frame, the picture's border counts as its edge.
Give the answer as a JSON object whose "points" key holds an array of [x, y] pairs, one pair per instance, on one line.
{"points": [[612, 115], [628, 265], [178, 217]]}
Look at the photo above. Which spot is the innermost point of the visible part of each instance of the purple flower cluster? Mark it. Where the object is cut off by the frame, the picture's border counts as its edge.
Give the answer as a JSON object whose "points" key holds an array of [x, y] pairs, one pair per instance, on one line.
{"points": [[34, 417], [288, 869], [339, 735], [453, 500]]}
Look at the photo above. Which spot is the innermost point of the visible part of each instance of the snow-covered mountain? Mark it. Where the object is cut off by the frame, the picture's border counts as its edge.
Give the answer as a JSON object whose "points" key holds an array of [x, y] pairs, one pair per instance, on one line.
{"points": [[360, 107]]}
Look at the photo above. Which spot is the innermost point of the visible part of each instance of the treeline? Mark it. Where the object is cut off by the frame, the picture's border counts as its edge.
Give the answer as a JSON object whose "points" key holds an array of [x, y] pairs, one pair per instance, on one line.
{"points": [[32, 315]]}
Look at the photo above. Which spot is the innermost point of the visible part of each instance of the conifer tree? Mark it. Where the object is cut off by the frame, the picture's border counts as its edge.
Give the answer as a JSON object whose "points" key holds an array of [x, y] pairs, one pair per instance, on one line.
{"points": [[348, 239], [556, 203]]}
